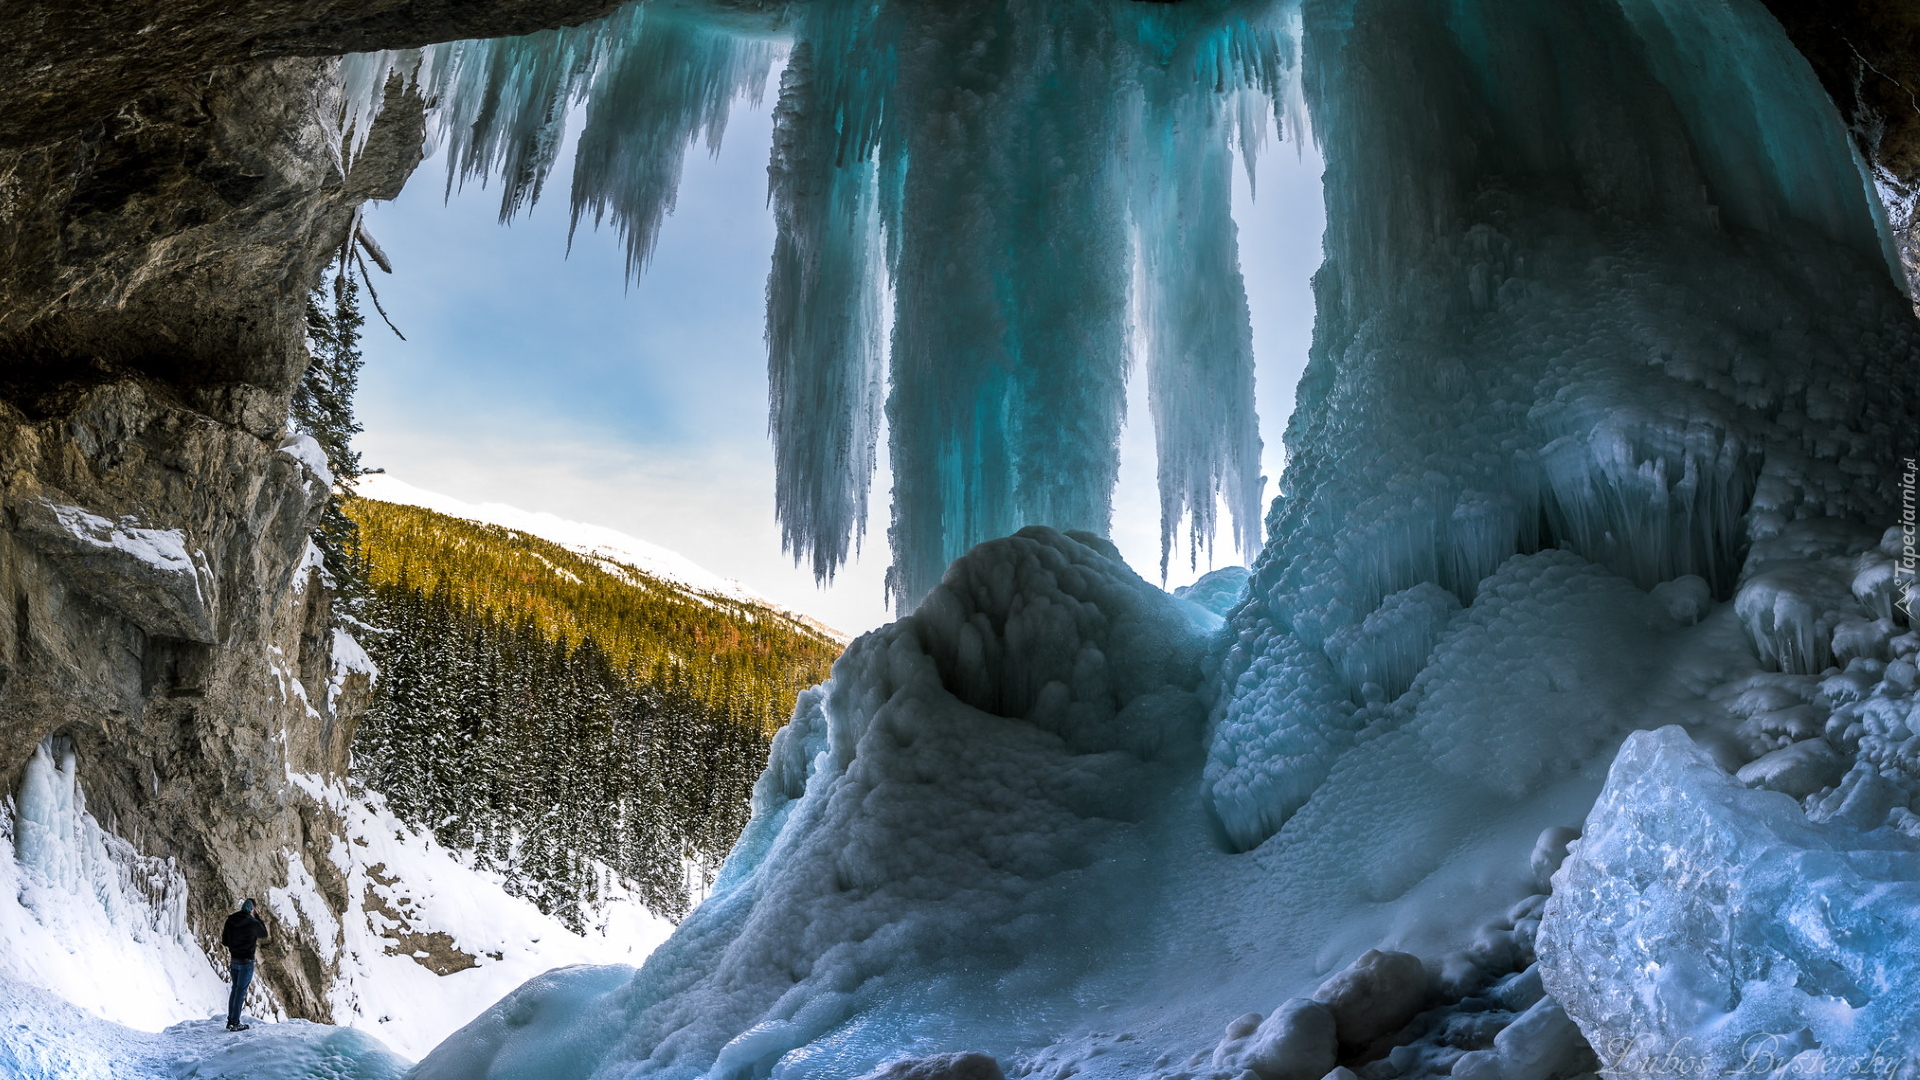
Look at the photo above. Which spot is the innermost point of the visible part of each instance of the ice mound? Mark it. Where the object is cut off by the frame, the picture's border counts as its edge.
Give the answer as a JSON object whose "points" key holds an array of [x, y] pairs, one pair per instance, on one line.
{"points": [[1703, 922], [949, 818], [1216, 590]]}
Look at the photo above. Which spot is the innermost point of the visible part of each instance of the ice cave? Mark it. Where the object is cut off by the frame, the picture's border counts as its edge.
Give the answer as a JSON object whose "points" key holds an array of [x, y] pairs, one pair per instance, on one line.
{"points": [[1596, 533]]}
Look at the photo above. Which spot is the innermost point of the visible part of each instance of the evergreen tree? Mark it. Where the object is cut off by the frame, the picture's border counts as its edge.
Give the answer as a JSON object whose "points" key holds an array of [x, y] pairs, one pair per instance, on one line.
{"points": [[323, 409]]}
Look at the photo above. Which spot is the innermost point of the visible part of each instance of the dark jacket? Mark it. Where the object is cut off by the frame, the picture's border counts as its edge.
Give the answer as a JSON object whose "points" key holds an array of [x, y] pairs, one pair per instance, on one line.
{"points": [[244, 930]]}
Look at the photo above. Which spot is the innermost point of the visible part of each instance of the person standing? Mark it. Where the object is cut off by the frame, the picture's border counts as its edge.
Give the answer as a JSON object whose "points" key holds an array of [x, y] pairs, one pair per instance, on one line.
{"points": [[244, 931]]}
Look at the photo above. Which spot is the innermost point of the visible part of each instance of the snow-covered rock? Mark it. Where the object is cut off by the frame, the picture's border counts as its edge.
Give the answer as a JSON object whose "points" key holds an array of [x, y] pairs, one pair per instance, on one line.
{"points": [[1295, 1043], [1374, 995]]}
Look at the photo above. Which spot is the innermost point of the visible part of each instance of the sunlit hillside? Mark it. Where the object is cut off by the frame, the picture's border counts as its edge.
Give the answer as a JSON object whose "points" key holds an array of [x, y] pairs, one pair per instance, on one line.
{"points": [[569, 719]]}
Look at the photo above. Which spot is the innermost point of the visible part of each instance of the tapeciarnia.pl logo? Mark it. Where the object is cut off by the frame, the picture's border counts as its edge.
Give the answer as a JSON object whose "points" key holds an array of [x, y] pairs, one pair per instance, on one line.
{"points": [[1903, 567]]}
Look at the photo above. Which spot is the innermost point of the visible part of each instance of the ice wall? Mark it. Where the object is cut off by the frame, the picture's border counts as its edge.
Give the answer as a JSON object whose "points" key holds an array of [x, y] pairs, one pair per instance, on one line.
{"points": [[85, 915], [1600, 276]]}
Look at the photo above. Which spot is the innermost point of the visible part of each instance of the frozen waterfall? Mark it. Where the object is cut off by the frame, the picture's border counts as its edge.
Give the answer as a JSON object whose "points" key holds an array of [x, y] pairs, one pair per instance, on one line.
{"points": [[1609, 383]]}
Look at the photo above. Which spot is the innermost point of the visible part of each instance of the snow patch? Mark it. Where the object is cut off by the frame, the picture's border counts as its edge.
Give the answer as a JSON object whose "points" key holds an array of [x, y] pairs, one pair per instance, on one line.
{"points": [[306, 450], [162, 549]]}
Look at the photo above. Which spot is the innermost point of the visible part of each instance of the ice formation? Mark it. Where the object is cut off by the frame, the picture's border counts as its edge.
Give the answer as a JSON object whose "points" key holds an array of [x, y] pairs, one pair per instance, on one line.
{"points": [[1706, 923], [86, 915], [1043, 191], [931, 813], [1650, 321], [984, 835], [1609, 382]]}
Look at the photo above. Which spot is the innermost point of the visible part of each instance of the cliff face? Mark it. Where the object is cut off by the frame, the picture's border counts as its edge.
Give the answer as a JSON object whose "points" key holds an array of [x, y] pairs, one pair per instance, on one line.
{"points": [[170, 188], [161, 613], [1867, 54]]}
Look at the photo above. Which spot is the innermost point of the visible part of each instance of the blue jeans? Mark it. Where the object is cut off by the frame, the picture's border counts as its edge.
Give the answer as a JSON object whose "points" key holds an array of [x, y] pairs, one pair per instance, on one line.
{"points": [[242, 978]]}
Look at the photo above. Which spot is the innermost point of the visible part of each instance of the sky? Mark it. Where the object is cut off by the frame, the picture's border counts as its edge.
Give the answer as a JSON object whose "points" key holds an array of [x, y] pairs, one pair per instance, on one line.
{"points": [[540, 378]]}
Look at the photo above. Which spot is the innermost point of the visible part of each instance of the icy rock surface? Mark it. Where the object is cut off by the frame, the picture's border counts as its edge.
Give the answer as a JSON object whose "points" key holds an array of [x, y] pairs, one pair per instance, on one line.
{"points": [[1615, 345], [1702, 921]]}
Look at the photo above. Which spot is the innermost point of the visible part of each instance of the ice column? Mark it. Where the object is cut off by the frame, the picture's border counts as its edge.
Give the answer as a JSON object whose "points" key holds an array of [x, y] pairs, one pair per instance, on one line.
{"points": [[1025, 159], [1602, 276]]}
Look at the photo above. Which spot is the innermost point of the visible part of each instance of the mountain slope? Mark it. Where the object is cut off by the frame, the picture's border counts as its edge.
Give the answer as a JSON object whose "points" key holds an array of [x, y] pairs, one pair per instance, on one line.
{"points": [[580, 725]]}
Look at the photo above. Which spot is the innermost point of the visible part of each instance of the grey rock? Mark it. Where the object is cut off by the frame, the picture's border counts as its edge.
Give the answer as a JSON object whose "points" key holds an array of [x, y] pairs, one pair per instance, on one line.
{"points": [[148, 575]]}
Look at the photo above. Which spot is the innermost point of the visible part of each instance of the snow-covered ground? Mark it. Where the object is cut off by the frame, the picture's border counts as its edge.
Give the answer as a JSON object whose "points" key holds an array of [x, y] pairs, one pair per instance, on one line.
{"points": [[405, 889], [45, 1037]]}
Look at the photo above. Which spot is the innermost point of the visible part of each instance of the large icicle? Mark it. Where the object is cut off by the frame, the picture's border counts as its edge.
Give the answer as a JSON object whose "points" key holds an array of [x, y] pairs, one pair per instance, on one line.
{"points": [[1022, 156], [653, 79], [1193, 308], [824, 323]]}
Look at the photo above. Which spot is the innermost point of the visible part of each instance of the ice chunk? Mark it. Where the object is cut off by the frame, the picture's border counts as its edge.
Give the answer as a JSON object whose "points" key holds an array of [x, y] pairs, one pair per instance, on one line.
{"points": [[1699, 918], [1537, 1044]]}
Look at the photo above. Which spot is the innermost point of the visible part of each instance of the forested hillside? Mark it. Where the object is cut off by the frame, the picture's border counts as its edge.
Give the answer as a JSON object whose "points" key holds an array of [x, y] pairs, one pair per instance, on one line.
{"points": [[563, 716]]}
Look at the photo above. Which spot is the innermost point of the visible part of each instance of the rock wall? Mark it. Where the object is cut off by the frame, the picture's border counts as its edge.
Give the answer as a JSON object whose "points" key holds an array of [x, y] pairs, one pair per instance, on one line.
{"points": [[161, 614], [161, 611], [1867, 54]]}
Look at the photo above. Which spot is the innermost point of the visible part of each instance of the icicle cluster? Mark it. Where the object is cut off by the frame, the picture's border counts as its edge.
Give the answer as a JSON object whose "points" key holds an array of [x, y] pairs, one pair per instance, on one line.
{"points": [[1043, 188], [644, 84]]}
